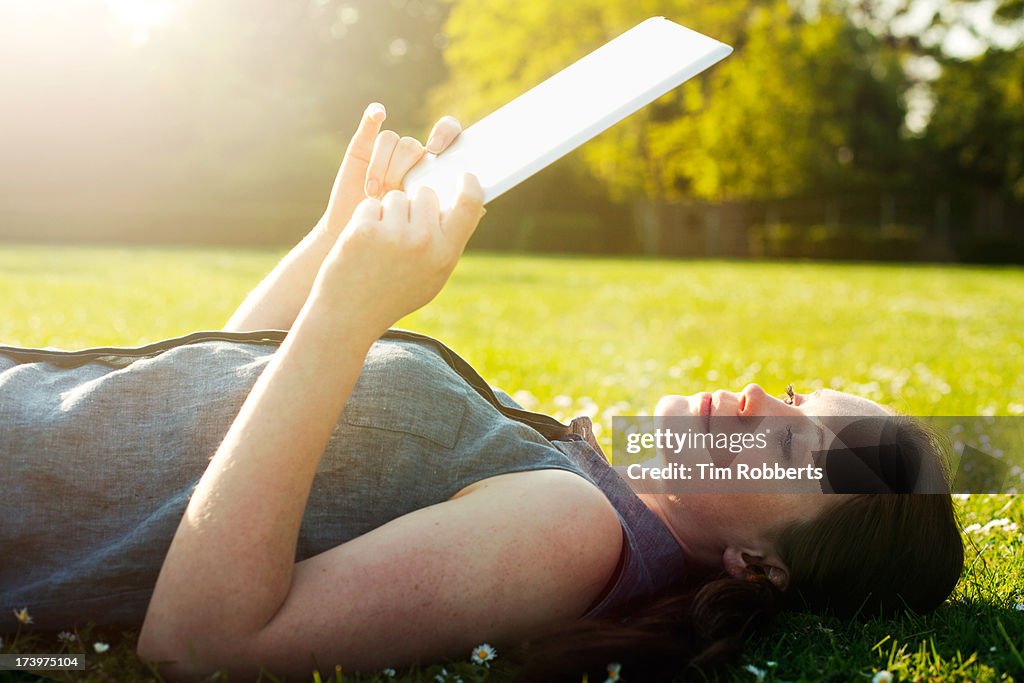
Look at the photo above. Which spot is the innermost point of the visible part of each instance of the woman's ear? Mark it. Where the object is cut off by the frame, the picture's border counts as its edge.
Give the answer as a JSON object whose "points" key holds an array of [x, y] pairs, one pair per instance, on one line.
{"points": [[740, 563]]}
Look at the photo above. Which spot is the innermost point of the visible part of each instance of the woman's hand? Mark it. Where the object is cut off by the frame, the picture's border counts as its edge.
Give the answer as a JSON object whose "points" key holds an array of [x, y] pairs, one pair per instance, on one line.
{"points": [[377, 162], [396, 254], [374, 163]]}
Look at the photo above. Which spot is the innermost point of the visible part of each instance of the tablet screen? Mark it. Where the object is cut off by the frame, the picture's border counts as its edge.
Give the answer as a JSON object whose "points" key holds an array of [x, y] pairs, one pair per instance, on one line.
{"points": [[576, 104]]}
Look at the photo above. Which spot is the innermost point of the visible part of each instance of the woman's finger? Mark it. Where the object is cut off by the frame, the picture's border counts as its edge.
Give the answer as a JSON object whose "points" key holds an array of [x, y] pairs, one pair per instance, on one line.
{"points": [[443, 134], [368, 210], [360, 147], [425, 207], [407, 154], [396, 208], [383, 149], [461, 220]]}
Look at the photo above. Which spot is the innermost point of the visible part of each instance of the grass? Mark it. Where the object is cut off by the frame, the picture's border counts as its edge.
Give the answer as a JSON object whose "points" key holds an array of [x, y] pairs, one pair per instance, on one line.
{"points": [[571, 336]]}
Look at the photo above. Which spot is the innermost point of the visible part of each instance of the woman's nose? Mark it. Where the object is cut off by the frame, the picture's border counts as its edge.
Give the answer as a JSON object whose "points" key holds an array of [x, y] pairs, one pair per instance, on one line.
{"points": [[754, 400]]}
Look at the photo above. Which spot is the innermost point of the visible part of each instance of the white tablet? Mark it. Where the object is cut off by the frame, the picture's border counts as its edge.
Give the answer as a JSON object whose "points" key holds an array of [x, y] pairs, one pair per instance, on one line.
{"points": [[557, 116]]}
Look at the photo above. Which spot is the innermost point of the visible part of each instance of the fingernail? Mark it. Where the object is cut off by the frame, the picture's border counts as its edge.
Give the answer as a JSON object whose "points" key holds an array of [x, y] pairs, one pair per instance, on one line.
{"points": [[372, 188], [377, 112], [434, 145]]}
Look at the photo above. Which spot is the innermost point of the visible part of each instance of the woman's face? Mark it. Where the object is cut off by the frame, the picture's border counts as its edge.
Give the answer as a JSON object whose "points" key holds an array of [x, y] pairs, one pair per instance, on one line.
{"points": [[790, 429], [752, 400], [744, 520]]}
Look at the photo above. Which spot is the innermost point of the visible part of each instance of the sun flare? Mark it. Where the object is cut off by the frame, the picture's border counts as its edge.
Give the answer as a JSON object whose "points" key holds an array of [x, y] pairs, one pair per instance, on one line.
{"points": [[142, 17]]}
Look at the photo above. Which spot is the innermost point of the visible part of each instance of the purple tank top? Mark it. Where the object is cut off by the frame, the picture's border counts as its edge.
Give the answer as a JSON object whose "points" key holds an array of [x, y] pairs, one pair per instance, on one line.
{"points": [[651, 558]]}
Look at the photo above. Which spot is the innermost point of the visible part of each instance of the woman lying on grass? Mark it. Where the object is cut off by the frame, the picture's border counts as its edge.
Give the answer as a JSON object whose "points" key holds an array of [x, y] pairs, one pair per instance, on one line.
{"points": [[372, 502]]}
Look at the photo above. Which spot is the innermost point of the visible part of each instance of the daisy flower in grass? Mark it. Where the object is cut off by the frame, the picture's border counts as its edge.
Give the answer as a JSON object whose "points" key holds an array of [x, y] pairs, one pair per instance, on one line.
{"points": [[23, 616], [483, 654], [100, 647], [66, 637], [882, 677], [444, 677], [613, 672], [390, 673], [759, 674]]}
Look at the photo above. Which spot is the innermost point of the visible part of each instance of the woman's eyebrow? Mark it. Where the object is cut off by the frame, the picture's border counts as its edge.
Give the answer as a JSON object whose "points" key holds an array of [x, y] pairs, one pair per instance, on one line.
{"points": [[804, 398]]}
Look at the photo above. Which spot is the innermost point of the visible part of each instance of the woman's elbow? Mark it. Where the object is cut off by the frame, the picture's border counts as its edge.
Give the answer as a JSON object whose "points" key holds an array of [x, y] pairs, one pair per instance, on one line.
{"points": [[159, 649], [183, 654]]}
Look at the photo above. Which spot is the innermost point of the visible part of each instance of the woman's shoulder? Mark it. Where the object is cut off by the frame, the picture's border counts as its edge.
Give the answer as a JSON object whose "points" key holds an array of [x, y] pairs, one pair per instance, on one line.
{"points": [[568, 533], [588, 514]]}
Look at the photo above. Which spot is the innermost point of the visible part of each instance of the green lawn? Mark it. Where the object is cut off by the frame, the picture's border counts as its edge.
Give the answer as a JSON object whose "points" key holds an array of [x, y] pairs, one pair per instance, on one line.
{"points": [[571, 336]]}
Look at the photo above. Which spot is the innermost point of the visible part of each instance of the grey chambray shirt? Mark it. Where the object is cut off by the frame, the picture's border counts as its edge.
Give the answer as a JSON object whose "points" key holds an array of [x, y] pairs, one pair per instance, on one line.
{"points": [[102, 448]]}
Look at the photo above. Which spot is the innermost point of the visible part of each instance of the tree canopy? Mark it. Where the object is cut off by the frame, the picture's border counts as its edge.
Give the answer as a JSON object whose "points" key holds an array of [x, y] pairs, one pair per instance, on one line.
{"points": [[807, 100], [813, 99]]}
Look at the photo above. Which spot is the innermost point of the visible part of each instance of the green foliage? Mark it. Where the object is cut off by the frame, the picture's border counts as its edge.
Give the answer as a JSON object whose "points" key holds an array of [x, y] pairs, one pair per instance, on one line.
{"points": [[805, 102], [978, 123], [806, 105]]}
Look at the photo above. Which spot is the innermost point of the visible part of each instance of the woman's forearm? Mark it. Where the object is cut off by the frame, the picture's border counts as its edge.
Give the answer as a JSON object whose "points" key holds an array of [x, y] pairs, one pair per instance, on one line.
{"points": [[229, 567], [277, 300]]}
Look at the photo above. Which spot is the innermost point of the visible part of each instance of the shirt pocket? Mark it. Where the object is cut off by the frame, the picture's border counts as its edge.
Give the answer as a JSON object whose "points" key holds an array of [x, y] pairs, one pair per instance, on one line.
{"points": [[406, 388]]}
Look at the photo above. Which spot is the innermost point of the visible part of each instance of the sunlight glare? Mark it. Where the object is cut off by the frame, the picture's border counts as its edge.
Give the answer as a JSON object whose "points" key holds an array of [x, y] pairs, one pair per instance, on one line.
{"points": [[141, 17]]}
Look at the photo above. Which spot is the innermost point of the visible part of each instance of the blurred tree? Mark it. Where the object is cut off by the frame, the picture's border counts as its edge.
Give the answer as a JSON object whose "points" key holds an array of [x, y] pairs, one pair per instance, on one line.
{"points": [[806, 102], [808, 105], [977, 126], [924, 27]]}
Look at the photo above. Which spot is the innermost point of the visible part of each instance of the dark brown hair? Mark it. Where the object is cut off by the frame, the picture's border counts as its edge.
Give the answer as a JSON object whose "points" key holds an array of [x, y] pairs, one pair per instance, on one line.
{"points": [[868, 555]]}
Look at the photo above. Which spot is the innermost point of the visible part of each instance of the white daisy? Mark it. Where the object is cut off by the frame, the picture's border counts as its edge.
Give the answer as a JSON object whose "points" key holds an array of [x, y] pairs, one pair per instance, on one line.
{"points": [[882, 677], [759, 674], [66, 637], [389, 672], [23, 616], [100, 647], [483, 654], [613, 672]]}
